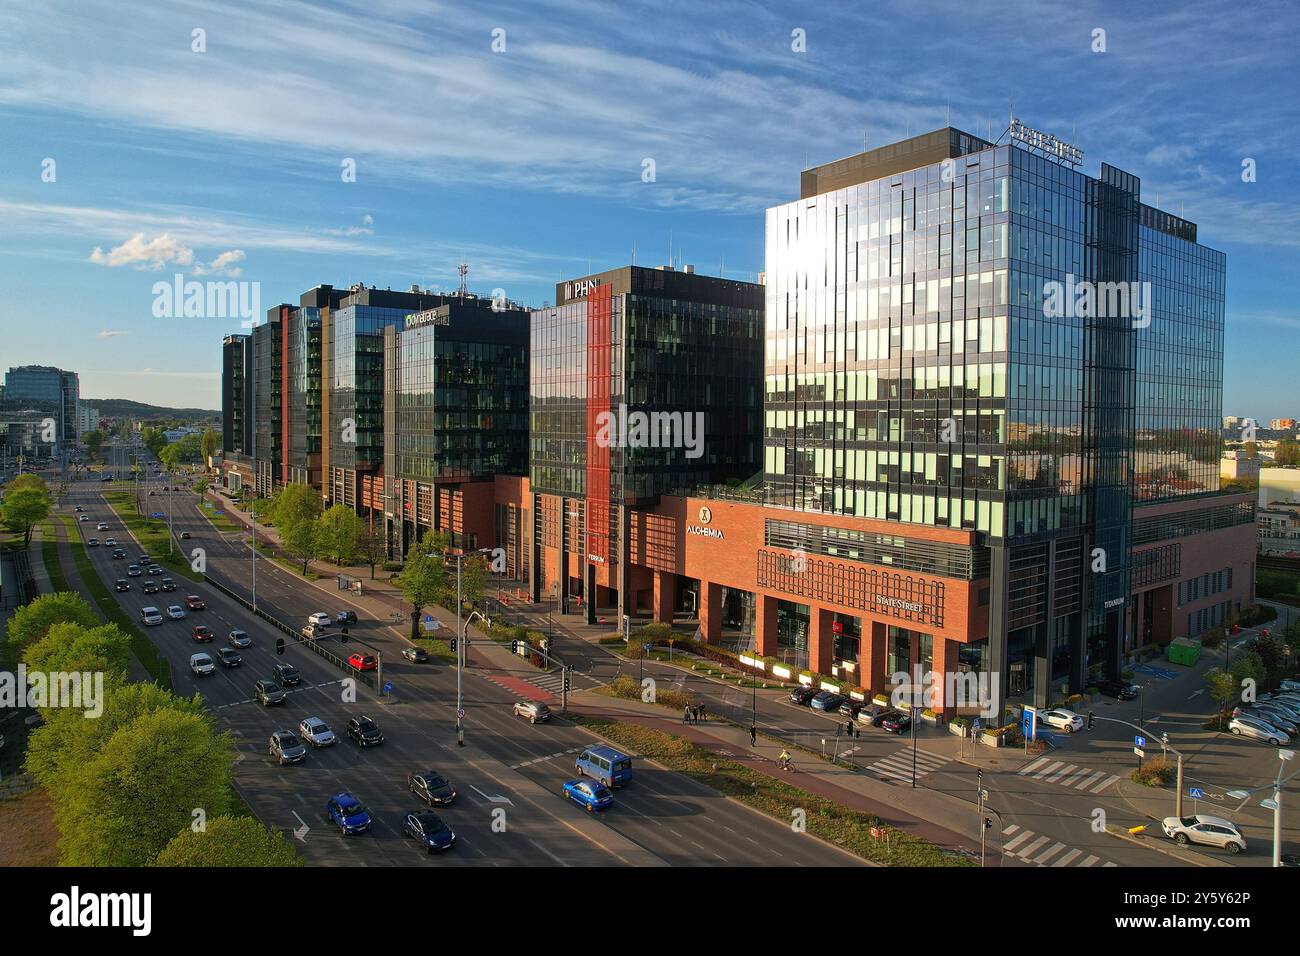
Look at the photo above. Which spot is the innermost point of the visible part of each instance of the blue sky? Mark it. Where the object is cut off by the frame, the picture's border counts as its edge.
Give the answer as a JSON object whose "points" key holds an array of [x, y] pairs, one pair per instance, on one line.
{"points": [[527, 163]]}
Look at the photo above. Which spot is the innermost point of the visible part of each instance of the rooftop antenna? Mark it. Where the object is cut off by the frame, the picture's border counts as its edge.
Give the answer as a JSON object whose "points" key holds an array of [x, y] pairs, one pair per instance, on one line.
{"points": [[463, 269], [864, 141], [633, 252], [670, 247]]}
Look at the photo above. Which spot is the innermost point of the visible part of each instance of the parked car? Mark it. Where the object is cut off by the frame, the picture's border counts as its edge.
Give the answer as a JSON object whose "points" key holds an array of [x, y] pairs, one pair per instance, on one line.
{"points": [[122, 584], [1066, 720], [431, 787], [872, 714], [168, 584], [175, 612], [827, 700], [285, 747], [316, 732], [201, 633], [347, 813], [430, 830], [194, 602], [1205, 830], [850, 708], [803, 695], [229, 657], [320, 618], [896, 722], [149, 587], [286, 675], [268, 692], [346, 617], [535, 712], [201, 664], [1290, 684], [239, 638], [151, 616], [1275, 716], [1118, 689], [1258, 730], [588, 794], [365, 731], [416, 655], [362, 662]]}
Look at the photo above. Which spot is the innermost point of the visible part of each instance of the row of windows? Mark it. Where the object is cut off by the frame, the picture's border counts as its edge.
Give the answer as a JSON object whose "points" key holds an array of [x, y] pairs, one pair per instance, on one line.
{"points": [[1203, 586]]}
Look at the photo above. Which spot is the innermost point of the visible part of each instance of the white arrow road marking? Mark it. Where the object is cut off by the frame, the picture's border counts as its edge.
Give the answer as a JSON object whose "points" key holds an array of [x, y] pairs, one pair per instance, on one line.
{"points": [[301, 832], [491, 799]]}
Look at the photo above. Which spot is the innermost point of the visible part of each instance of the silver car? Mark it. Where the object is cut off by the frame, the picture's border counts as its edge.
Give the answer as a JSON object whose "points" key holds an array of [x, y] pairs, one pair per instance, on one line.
{"points": [[535, 712], [201, 664], [316, 732], [1258, 730], [239, 638], [1205, 830]]}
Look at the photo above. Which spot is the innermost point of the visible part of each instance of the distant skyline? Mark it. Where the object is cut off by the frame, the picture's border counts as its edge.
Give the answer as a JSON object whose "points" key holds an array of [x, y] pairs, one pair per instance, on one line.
{"points": [[528, 161]]}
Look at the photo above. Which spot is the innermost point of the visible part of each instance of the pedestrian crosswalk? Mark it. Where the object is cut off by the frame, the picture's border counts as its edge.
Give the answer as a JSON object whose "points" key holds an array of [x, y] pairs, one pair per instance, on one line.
{"points": [[1038, 850], [898, 765], [1068, 775]]}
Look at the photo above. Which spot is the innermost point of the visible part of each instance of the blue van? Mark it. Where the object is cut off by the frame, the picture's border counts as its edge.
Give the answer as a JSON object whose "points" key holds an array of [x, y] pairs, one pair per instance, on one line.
{"points": [[605, 764]]}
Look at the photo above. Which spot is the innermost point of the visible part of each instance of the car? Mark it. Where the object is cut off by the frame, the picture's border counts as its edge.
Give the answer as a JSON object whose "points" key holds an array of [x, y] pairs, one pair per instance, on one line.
{"points": [[144, 559], [826, 700], [320, 618], [416, 655], [429, 830], [365, 731], [168, 584], [1290, 684], [1205, 830], [896, 722], [316, 732], [92, 542], [185, 535], [431, 787], [229, 657], [102, 526], [175, 612], [803, 695], [850, 708], [872, 714], [201, 633], [345, 617], [535, 711], [151, 616], [153, 569], [313, 631], [152, 493], [134, 571], [239, 638], [84, 518], [118, 554], [1062, 719], [1275, 716], [194, 602], [588, 794], [1119, 689], [286, 675], [363, 662], [285, 747], [122, 584], [1258, 730], [78, 509], [268, 692], [110, 542], [149, 587], [1283, 702], [202, 665], [347, 813], [107, 478]]}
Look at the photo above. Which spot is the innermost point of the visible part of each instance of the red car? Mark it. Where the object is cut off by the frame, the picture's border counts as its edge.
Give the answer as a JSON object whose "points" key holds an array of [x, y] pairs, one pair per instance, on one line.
{"points": [[363, 662], [201, 633], [194, 602]]}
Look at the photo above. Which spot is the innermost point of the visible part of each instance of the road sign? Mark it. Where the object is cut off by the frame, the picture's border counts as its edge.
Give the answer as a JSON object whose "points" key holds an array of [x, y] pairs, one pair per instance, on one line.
{"points": [[984, 795], [1196, 793], [460, 713], [388, 687], [1139, 751], [1139, 741], [977, 725]]}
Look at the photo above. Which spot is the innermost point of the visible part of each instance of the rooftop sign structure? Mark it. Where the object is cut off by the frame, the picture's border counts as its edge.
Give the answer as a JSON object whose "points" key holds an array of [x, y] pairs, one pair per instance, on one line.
{"points": [[1046, 143]]}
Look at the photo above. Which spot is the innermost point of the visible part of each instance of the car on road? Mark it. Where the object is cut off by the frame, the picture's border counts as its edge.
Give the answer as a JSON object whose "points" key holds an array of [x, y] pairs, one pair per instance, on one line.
{"points": [[201, 633], [320, 619], [362, 662], [1205, 830], [1258, 730], [144, 559], [92, 542], [168, 584], [1118, 689], [202, 665], [803, 695], [151, 616], [364, 731], [118, 554], [588, 794], [872, 714], [316, 732], [78, 509], [185, 535], [84, 518], [229, 657], [313, 632], [149, 587], [535, 711], [154, 569], [194, 602], [431, 787], [285, 747], [286, 675], [429, 830], [347, 813], [268, 692], [345, 617], [1061, 719], [122, 584], [827, 700], [134, 571], [896, 722], [416, 655], [110, 542], [239, 638], [175, 612], [102, 526]]}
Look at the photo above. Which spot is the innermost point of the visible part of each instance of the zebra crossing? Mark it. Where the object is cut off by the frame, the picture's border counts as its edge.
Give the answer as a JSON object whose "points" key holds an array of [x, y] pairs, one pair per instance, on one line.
{"points": [[898, 765], [1034, 849], [1068, 775]]}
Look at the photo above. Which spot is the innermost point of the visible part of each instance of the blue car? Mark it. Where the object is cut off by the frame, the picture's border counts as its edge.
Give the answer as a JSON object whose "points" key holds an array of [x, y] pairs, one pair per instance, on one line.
{"points": [[826, 700], [348, 813], [430, 830], [589, 795]]}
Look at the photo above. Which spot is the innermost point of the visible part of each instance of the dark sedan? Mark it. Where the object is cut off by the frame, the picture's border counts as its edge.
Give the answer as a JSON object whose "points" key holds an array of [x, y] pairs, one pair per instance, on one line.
{"points": [[1119, 689], [431, 787], [803, 695], [430, 830], [896, 722]]}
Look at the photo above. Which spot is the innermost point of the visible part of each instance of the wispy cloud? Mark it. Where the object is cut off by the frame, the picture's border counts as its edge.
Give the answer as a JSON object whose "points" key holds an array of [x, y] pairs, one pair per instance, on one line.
{"points": [[112, 333]]}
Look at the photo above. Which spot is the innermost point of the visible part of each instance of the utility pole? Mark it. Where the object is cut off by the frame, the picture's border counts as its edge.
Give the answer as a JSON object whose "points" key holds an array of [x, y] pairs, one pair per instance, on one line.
{"points": [[460, 657]]}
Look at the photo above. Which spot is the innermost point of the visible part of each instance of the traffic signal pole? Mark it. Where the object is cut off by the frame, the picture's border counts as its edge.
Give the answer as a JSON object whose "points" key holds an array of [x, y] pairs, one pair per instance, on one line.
{"points": [[1178, 791]]}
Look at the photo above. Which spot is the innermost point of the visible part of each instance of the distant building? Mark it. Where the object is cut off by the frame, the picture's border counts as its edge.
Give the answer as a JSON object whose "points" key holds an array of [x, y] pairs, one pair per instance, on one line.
{"points": [[87, 419], [1282, 424], [1235, 464], [50, 389], [1277, 485]]}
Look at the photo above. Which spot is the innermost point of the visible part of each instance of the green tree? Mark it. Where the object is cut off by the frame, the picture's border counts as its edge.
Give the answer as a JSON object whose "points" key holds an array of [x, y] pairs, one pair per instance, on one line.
{"points": [[209, 444], [295, 502], [372, 548], [423, 575], [340, 529], [155, 440], [1248, 666], [72, 648], [473, 578], [1251, 449], [228, 841], [27, 480], [1222, 688], [23, 509], [93, 440], [1287, 455], [33, 620], [143, 788]]}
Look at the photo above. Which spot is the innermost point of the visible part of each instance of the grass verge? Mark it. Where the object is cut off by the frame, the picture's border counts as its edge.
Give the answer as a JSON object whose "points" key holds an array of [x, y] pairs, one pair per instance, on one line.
{"points": [[850, 830], [50, 558]]}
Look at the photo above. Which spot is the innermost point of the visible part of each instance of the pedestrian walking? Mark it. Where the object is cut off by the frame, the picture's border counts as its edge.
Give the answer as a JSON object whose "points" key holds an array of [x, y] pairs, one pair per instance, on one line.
{"points": [[703, 715], [686, 715], [753, 735]]}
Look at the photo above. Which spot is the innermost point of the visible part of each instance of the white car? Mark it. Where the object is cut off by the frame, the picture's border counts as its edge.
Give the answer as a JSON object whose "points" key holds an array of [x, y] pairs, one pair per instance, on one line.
{"points": [[320, 619], [1258, 730], [175, 612], [1066, 720], [102, 526], [151, 616], [202, 665], [316, 732], [1206, 830]]}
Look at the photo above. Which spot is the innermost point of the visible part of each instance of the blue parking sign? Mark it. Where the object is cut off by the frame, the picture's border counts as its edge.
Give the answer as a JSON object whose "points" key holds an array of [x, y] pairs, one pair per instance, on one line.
{"points": [[1197, 793]]}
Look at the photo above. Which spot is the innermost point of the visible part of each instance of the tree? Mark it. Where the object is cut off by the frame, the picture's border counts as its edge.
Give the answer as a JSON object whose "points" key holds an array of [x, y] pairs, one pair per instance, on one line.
{"points": [[1222, 688], [27, 480], [301, 540], [73, 649], [1287, 455], [339, 529], [423, 575], [93, 440], [142, 788], [155, 440], [32, 621], [295, 511], [209, 444], [24, 508], [228, 841], [372, 547], [1248, 666], [1251, 449], [473, 578]]}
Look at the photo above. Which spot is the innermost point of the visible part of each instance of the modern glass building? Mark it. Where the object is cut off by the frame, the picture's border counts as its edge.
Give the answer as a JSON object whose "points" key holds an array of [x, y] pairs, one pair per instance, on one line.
{"points": [[237, 395], [51, 390], [302, 387], [267, 401]]}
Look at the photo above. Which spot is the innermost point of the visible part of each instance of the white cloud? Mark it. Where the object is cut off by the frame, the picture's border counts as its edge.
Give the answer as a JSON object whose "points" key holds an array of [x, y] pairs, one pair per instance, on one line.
{"points": [[112, 333], [221, 265], [152, 254]]}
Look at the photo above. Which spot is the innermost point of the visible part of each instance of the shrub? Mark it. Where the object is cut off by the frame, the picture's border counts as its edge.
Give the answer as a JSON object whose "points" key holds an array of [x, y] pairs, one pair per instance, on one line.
{"points": [[1155, 773], [657, 631]]}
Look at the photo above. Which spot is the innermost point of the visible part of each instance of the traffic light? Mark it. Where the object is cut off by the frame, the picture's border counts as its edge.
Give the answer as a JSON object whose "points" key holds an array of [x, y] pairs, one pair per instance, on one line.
{"points": [[1092, 719], [988, 823], [279, 645], [514, 647], [566, 679], [452, 642]]}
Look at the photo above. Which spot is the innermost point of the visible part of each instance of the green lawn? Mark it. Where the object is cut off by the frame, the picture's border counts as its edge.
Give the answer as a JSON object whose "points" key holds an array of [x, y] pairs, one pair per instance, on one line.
{"points": [[220, 522], [152, 535], [50, 558]]}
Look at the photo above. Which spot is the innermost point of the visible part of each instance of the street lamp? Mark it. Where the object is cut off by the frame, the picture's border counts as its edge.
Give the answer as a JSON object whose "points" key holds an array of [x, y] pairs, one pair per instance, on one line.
{"points": [[1274, 803], [460, 648]]}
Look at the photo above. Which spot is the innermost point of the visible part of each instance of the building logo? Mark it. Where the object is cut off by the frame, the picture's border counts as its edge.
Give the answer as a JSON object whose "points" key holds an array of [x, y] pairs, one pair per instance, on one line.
{"points": [[702, 532], [579, 288], [899, 604], [1045, 143], [706, 515], [430, 317]]}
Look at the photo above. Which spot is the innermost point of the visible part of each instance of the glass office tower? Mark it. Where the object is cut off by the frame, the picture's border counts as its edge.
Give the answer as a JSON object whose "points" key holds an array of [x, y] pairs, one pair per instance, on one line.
{"points": [[302, 370]]}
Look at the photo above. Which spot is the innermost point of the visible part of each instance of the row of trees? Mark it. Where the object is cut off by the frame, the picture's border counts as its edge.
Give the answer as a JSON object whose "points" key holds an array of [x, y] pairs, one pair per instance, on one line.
{"points": [[26, 503], [427, 578], [148, 782]]}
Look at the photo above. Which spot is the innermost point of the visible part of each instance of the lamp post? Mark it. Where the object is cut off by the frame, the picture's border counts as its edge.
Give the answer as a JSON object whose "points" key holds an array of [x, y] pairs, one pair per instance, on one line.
{"points": [[1273, 803], [460, 648]]}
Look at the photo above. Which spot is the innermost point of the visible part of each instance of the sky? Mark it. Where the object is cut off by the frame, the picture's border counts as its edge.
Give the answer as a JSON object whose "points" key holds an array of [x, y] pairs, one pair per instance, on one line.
{"points": [[546, 140]]}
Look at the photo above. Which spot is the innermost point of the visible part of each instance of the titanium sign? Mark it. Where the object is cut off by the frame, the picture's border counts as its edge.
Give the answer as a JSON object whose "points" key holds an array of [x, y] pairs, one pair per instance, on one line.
{"points": [[1045, 143]]}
